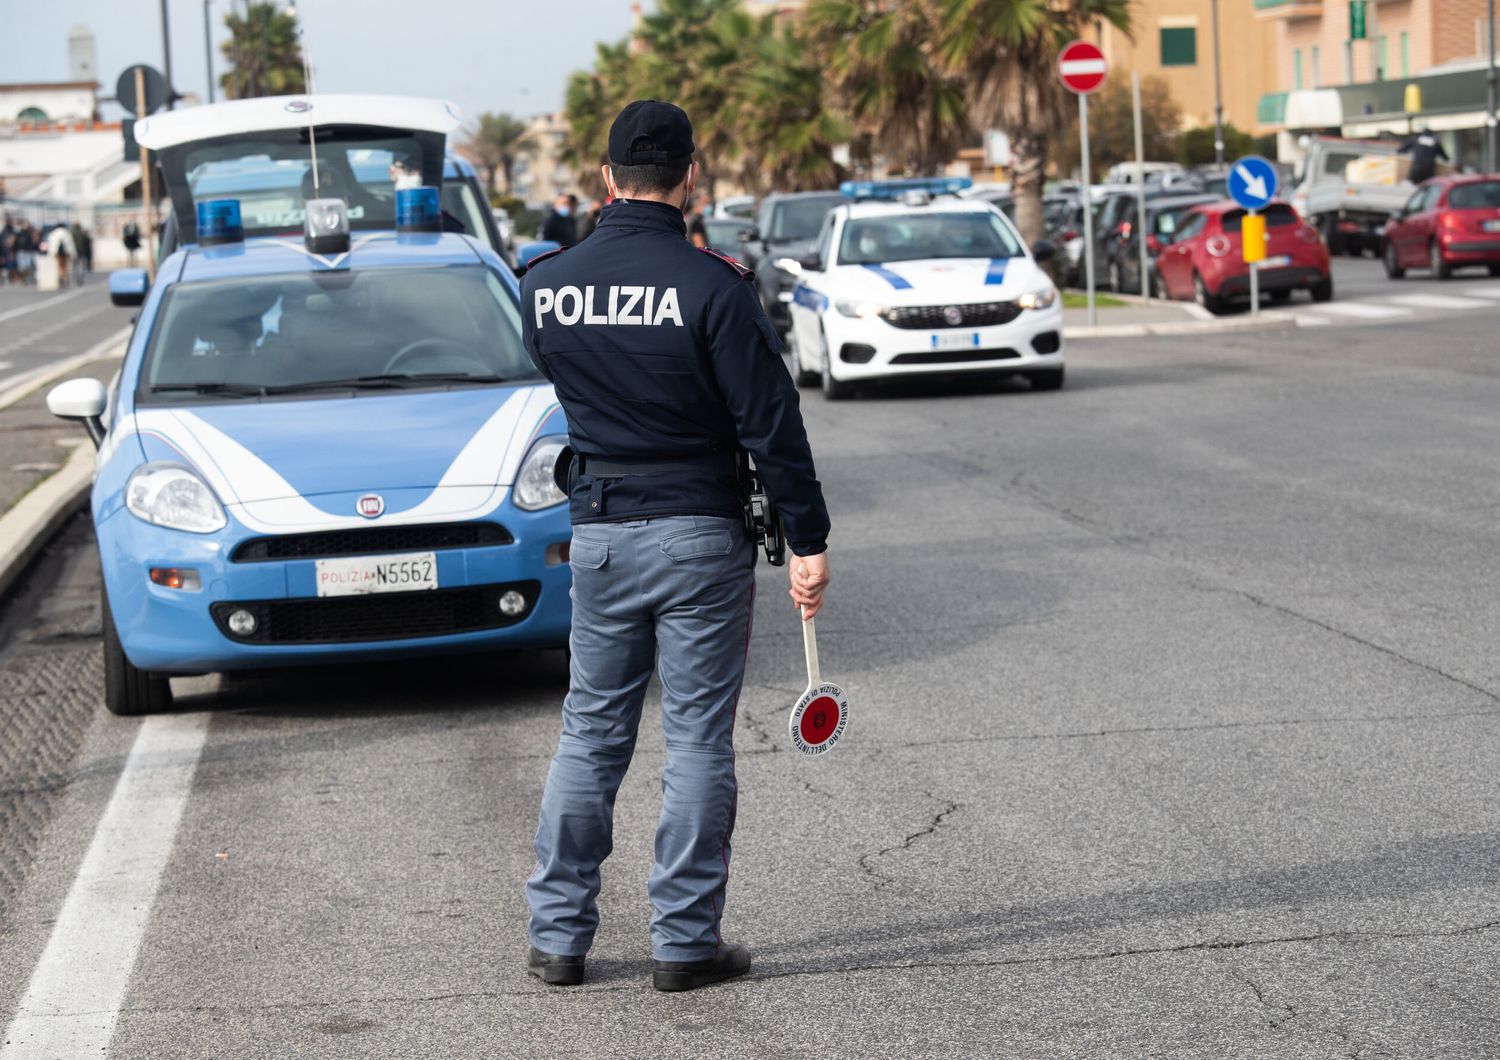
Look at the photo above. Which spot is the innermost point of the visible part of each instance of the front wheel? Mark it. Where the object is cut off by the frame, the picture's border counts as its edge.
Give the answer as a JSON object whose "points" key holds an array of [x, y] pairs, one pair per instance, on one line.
{"points": [[127, 689], [1494, 270], [1393, 267], [833, 389], [803, 375], [1332, 237], [1440, 268], [1208, 301]]}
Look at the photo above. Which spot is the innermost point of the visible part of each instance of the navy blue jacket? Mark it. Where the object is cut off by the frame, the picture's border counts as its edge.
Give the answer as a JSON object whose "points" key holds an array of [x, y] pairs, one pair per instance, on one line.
{"points": [[660, 350]]}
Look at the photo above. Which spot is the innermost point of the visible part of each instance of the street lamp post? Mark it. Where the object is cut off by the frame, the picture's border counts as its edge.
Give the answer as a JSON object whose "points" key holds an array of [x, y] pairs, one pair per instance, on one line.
{"points": [[1489, 113], [166, 48], [208, 50], [1219, 93]]}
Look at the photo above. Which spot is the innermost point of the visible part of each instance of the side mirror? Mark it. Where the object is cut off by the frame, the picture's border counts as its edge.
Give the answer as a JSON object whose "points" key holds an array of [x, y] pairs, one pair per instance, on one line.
{"points": [[83, 400], [791, 265], [128, 287], [1043, 250], [747, 235], [527, 252]]}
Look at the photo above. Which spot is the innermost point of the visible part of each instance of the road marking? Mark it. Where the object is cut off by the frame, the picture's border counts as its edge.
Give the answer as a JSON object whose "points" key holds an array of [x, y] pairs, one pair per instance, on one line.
{"points": [[11, 314], [1482, 292], [19, 386], [76, 990], [1307, 320], [4, 365], [1435, 301], [1196, 311], [1360, 309]]}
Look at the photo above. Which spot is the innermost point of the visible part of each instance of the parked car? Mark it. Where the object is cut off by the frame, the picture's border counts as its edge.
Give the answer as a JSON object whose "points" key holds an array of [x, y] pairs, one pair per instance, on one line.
{"points": [[1114, 218], [1164, 217], [786, 226], [1449, 223], [1206, 260]]}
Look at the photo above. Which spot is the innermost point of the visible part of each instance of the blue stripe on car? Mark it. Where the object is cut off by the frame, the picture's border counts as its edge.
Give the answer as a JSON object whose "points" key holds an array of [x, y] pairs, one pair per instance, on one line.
{"points": [[806, 297], [899, 282], [996, 273]]}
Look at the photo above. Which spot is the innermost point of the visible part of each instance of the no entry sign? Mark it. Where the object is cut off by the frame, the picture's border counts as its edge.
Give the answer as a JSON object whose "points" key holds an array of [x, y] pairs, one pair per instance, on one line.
{"points": [[1082, 67]]}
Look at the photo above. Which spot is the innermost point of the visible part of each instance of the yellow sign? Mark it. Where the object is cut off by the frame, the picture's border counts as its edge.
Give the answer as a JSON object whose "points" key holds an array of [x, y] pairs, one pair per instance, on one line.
{"points": [[1412, 103], [1253, 236]]}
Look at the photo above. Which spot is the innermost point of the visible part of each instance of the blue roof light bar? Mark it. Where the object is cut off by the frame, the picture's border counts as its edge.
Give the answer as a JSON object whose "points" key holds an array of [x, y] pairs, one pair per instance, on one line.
{"points": [[219, 222], [896, 189], [417, 210]]}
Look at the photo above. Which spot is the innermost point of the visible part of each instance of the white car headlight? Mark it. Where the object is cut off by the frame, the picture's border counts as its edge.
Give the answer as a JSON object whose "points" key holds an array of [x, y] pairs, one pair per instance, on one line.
{"points": [[173, 496], [862, 310], [1038, 299], [535, 488]]}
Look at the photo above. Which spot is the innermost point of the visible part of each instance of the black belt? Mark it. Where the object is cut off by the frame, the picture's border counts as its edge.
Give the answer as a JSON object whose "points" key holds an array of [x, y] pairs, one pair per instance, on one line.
{"points": [[613, 467]]}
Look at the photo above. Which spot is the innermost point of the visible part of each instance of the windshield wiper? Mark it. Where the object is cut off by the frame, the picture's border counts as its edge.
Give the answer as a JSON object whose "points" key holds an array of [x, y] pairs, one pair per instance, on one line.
{"points": [[237, 389], [386, 381]]}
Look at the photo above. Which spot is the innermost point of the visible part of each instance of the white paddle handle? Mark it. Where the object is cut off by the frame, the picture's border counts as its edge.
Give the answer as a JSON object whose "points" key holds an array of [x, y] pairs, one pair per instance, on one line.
{"points": [[810, 646]]}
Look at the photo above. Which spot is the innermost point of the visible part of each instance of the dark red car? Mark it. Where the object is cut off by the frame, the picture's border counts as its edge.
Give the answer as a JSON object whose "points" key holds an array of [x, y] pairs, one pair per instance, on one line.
{"points": [[1448, 223], [1205, 259]]}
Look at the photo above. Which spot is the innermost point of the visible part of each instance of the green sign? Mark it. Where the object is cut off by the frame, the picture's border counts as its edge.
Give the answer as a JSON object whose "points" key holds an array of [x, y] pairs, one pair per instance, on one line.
{"points": [[1357, 19]]}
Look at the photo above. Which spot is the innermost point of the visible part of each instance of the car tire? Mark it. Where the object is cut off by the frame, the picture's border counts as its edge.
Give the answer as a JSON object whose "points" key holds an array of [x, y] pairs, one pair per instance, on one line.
{"points": [[833, 389], [1331, 236], [1116, 280], [1046, 379], [1322, 292], [801, 375], [128, 691], [1388, 255], [1440, 268], [1494, 270], [1280, 297], [1212, 303]]}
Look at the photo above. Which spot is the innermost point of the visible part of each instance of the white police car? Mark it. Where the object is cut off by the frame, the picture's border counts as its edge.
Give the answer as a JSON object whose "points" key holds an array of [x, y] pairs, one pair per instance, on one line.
{"points": [[907, 280], [319, 448]]}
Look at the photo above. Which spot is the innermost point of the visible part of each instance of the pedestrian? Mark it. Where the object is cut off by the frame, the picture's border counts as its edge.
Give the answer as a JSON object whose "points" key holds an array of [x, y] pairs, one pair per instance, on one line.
{"points": [[558, 226], [8, 271], [130, 235], [85, 246], [26, 248], [60, 248], [666, 366], [588, 220], [1425, 149]]}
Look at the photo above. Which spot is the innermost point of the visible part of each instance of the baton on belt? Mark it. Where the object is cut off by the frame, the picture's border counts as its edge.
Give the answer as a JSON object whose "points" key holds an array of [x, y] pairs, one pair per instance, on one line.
{"points": [[819, 718]]}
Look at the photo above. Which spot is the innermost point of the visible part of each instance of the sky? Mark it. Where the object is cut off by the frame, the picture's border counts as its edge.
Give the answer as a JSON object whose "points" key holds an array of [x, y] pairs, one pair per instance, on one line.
{"points": [[502, 55]]}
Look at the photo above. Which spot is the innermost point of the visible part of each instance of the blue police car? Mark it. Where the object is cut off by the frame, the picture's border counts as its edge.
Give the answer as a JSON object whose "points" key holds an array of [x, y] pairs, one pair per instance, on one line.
{"points": [[317, 449]]}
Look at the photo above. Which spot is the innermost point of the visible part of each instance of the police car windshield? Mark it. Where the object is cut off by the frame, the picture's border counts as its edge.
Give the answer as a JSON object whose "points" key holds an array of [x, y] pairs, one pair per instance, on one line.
{"points": [[798, 219], [911, 237], [226, 340]]}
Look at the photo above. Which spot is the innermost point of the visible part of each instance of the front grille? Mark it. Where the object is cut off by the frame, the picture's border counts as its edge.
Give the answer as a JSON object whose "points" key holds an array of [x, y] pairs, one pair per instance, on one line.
{"points": [[377, 617], [372, 541], [954, 356], [932, 318]]}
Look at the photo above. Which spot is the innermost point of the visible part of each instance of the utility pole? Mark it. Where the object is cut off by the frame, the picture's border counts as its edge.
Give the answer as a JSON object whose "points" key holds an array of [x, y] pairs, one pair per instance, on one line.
{"points": [[1219, 95], [166, 48], [1489, 114], [208, 50]]}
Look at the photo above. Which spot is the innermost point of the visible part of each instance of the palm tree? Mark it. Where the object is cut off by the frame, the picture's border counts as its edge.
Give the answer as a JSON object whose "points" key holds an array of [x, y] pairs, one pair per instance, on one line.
{"points": [[264, 52], [1005, 54], [882, 73], [592, 100], [496, 142], [786, 134]]}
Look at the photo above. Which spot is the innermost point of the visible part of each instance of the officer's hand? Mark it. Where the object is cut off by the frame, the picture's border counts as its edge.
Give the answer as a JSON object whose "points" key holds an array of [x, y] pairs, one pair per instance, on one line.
{"points": [[809, 580]]}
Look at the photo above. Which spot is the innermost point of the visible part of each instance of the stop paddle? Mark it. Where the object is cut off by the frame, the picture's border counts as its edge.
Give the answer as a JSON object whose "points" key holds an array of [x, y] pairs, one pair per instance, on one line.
{"points": [[819, 718]]}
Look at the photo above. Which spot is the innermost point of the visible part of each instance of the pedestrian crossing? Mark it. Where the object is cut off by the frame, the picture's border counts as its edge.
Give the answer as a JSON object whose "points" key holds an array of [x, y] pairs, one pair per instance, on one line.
{"points": [[1392, 308]]}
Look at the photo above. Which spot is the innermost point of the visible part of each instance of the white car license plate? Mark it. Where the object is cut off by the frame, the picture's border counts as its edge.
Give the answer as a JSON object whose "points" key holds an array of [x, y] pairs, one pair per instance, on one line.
{"points": [[1280, 261], [948, 340], [358, 575], [1492, 226]]}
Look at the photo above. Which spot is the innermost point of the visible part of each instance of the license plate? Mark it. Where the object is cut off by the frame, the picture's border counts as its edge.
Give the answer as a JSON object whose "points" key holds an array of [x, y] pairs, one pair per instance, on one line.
{"points": [[360, 575], [1278, 262], [948, 340], [1492, 226]]}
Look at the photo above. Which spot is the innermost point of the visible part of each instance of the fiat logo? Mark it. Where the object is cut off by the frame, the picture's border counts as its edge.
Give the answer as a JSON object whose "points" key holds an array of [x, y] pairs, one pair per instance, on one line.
{"points": [[953, 315], [371, 505]]}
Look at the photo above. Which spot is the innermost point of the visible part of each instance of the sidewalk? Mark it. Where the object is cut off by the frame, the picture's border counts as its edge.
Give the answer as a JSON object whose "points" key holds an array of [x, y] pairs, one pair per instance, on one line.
{"points": [[1157, 317]]}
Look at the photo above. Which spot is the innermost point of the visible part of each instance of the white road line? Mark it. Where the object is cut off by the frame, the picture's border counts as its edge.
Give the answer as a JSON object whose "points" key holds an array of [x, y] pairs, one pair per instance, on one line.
{"points": [[1481, 292], [1197, 312], [1360, 309], [1435, 301], [1307, 320], [4, 365], [11, 314], [78, 985]]}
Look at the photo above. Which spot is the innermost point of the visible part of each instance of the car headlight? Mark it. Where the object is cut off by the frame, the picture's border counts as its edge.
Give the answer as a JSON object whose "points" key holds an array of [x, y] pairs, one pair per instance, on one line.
{"points": [[862, 310], [1038, 299], [173, 496], [535, 487]]}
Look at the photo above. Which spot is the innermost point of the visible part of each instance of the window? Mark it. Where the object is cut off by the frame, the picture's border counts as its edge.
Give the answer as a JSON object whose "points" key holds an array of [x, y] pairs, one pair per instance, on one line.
{"points": [[1317, 61], [1477, 196], [1179, 46], [32, 116], [1191, 226], [1405, 54], [1276, 215], [1382, 58], [1297, 68], [825, 241]]}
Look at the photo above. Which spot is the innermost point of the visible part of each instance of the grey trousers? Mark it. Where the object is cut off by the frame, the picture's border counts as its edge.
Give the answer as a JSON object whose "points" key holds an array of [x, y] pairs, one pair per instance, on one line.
{"points": [[673, 595]]}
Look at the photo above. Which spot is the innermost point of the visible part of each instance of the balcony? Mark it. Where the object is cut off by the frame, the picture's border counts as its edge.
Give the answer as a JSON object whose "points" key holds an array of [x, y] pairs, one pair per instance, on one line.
{"points": [[1290, 10]]}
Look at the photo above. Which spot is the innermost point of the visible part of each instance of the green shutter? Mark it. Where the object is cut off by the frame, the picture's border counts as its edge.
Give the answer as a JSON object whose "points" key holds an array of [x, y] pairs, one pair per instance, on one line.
{"points": [[1271, 110], [1179, 46]]}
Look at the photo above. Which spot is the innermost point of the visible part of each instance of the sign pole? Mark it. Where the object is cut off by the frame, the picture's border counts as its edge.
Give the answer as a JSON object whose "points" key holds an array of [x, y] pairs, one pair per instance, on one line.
{"points": [[1255, 288], [1140, 183], [1088, 207], [147, 209]]}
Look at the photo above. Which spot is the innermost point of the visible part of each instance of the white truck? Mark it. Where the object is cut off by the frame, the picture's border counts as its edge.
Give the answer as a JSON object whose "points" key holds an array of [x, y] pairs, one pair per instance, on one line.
{"points": [[1350, 213]]}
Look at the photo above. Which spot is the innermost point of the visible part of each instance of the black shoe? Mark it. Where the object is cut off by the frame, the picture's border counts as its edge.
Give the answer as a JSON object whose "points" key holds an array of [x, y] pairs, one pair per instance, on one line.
{"points": [[732, 959], [555, 969]]}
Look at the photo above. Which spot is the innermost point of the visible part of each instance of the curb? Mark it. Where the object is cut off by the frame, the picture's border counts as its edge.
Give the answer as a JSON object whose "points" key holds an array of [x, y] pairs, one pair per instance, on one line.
{"points": [[27, 527], [1185, 327], [34, 380]]}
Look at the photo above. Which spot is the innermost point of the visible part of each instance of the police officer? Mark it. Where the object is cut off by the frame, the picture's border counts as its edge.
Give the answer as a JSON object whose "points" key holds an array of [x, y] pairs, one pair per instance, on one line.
{"points": [[666, 366]]}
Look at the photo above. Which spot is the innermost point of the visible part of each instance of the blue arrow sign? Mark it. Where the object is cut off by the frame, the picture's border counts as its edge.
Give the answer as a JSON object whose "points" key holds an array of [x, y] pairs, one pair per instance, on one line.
{"points": [[1252, 182]]}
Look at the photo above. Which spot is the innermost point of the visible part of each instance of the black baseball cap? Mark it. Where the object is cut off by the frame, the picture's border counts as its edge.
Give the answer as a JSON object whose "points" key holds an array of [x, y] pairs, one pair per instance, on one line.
{"points": [[650, 132]]}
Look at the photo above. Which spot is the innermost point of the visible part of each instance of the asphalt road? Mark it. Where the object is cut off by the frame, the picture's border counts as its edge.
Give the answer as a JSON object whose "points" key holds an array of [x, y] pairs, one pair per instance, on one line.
{"points": [[37, 328], [1175, 733]]}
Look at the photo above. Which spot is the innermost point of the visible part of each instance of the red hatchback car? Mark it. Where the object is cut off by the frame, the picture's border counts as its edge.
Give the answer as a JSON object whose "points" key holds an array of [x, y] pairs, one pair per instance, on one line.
{"points": [[1205, 259], [1447, 224]]}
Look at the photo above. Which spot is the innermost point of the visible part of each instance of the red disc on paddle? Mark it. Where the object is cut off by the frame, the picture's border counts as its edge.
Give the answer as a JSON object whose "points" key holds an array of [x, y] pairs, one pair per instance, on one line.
{"points": [[820, 719]]}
